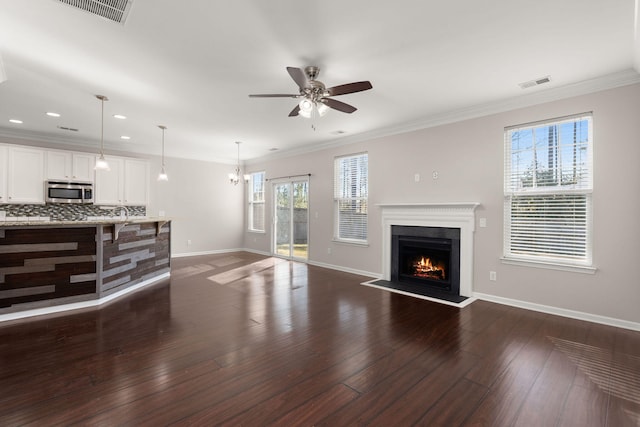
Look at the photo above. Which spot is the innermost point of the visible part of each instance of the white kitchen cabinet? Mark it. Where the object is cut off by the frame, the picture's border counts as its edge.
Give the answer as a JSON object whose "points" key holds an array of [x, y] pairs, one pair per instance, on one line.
{"points": [[127, 183], [136, 182], [109, 185], [25, 177], [68, 166], [4, 159], [82, 167]]}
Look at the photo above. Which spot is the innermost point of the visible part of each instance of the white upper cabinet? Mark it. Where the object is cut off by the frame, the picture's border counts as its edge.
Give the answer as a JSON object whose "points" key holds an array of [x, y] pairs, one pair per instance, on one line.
{"points": [[82, 167], [127, 183], [136, 182], [109, 186], [25, 177], [23, 171], [58, 165], [4, 158], [69, 166]]}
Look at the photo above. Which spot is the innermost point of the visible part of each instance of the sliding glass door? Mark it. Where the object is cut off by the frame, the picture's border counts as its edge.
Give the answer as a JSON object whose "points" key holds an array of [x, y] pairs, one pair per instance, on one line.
{"points": [[291, 219]]}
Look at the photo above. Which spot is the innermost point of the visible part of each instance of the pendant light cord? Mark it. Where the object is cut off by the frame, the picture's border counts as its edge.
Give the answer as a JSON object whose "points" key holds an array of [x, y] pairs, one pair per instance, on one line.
{"points": [[102, 129]]}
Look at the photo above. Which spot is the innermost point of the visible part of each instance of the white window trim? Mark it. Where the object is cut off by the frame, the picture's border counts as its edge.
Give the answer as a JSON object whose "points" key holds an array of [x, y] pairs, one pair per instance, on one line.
{"points": [[538, 261], [251, 203], [336, 216]]}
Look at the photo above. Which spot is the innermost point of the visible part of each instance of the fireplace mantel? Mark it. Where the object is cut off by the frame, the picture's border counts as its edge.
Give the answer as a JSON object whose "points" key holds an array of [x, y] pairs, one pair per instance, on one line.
{"points": [[452, 215]]}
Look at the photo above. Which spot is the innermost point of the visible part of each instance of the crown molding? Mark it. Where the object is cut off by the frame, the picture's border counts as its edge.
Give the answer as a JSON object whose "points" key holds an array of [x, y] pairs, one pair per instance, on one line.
{"points": [[610, 81]]}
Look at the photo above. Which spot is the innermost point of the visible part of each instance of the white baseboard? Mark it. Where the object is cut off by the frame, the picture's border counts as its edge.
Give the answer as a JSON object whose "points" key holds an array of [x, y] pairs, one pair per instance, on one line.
{"points": [[579, 315], [346, 269], [254, 251], [81, 304], [214, 252]]}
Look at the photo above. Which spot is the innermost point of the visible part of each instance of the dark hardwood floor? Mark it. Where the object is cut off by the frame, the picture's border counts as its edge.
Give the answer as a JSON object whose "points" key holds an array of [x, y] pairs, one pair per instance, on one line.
{"points": [[242, 339]]}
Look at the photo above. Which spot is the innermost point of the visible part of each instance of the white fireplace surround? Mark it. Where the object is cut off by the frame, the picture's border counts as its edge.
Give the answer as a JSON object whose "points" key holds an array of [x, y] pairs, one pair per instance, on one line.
{"points": [[451, 215]]}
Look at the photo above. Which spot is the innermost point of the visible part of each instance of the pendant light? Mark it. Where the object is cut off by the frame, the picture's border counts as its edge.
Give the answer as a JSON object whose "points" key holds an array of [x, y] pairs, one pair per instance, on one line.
{"points": [[234, 177], [162, 176], [101, 163]]}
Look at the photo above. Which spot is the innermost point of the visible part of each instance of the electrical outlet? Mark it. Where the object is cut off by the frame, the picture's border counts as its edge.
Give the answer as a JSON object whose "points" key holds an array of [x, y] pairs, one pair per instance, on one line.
{"points": [[435, 174], [329, 251], [492, 276], [189, 242], [416, 177]]}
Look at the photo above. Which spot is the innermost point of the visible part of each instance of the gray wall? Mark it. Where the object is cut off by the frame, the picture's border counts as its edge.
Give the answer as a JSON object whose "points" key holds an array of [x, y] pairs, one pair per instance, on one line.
{"points": [[205, 208], [468, 157]]}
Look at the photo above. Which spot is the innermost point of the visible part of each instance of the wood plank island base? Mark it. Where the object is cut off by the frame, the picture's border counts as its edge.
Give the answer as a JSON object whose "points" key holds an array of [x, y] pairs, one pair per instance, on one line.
{"points": [[58, 266]]}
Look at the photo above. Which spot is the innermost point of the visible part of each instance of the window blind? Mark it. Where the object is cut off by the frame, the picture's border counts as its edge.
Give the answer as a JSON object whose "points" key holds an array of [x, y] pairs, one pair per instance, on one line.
{"points": [[256, 202], [351, 197], [548, 185]]}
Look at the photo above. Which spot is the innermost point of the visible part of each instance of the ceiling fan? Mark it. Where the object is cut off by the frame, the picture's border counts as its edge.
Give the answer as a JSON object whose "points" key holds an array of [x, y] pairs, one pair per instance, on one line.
{"points": [[315, 96]]}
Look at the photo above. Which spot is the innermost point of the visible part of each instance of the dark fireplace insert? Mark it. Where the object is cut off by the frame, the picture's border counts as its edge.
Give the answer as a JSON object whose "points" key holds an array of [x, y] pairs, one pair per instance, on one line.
{"points": [[426, 260]]}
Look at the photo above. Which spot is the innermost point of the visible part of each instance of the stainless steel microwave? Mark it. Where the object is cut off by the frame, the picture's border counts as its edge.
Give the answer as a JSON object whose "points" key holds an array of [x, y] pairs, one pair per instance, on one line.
{"points": [[68, 192]]}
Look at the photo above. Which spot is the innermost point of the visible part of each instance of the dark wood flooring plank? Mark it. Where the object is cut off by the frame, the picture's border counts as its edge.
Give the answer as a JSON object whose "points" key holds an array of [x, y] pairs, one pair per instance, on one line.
{"points": [[316, 408], [249, 340], [260, 407], [584, 407], [412, 405], [455, 405], [502, 403]]}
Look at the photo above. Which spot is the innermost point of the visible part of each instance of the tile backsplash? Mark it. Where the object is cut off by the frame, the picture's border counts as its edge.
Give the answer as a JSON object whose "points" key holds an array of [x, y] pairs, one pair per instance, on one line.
{"points": [[64, 211]]}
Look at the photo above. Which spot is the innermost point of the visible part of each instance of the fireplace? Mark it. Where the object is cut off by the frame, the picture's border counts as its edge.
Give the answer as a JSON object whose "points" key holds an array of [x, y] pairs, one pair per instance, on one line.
{"points": [[428, 258], [459, 216]]}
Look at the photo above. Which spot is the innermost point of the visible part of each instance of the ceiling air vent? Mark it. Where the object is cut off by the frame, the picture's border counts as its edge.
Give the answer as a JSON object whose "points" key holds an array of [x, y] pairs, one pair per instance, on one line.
{"points": [[68, 128], [113, 10], [536, 82]]}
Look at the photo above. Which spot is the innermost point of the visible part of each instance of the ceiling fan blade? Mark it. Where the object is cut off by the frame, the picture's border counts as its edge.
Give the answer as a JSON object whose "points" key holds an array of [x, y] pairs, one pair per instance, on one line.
{"points": [[295, 111], [274, 95], [338, 105], [298, 76], [349, 88]]}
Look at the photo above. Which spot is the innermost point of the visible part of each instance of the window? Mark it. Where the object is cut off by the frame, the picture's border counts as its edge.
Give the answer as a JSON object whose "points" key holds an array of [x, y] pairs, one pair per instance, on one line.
{"points": [[256, 202], [351, 190], [547, 188]]}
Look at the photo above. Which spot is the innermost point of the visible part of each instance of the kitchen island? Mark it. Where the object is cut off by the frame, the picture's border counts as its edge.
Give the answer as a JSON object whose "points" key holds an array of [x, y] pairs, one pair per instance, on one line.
{"points": [[53, 266]]}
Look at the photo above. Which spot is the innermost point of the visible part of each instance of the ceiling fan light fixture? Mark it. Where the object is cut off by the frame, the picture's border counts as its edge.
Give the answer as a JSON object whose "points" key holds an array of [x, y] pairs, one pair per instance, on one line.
{"points": [[305, 114], [306, 105], [317, 99], [322, 109]]}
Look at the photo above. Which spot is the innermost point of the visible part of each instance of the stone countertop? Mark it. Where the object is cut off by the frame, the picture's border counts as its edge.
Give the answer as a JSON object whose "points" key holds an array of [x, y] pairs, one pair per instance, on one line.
{"points": [[100, 221]]}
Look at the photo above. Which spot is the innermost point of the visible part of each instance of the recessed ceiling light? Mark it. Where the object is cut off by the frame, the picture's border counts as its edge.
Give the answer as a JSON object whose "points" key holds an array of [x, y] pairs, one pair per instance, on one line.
{"points": [[119, 116], [52, 114], [16, 121], [125, 137], [273, 149]]}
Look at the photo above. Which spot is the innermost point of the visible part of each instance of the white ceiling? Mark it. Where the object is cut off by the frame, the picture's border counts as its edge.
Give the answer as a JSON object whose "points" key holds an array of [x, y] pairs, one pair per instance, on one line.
{"points": [[190, 65]]}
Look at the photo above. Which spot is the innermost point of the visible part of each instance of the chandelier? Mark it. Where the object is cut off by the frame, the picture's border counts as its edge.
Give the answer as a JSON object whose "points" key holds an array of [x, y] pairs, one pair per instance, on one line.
{"points": [[234, 177]]}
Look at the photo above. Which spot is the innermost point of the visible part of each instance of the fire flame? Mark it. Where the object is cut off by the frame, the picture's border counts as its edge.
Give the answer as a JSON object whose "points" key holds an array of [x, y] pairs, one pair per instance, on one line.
{"points": [[426, 268]]}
